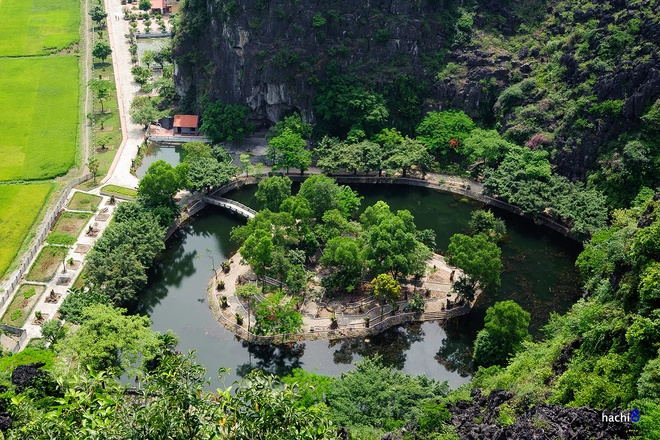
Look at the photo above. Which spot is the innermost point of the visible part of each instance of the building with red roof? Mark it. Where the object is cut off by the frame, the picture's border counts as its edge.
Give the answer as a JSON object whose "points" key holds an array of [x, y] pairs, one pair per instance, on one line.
{"points": [[186, 124]]}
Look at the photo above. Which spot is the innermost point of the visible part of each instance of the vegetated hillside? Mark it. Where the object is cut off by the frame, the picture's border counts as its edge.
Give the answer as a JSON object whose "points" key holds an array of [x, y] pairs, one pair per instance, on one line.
{"points": [[577, 79]]}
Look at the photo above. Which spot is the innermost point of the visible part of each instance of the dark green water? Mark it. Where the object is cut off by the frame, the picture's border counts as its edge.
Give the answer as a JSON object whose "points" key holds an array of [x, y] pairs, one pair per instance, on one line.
{"points": [[539, 275]]}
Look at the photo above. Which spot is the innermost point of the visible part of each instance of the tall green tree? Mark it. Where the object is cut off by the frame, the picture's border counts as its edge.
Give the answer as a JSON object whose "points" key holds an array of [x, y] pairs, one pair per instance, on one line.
{"points": [[391, 243], [272, 191], [478, 257], [223, 122], [287, 150], [109, 340], [438, 129], [101, 50], [258, 251], [162, 182], [505, 329], [205, 173]]}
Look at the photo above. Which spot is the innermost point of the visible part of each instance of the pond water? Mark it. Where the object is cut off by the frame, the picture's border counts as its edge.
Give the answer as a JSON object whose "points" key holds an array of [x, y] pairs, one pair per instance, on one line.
{"points": [[171, 155], [538, 273]]}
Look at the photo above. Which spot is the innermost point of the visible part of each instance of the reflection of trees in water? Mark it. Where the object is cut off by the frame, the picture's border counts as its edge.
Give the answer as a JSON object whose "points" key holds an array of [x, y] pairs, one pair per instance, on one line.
{"points": [[392, 345], [455, 352], [273, 359], [170, 270]]}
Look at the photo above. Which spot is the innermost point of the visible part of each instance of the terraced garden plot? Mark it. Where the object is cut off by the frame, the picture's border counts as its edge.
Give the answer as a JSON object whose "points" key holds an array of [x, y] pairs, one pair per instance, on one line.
{"points": [[84, 202], [47, 263], [39, 112], [19, 209], [21, 306], [37, 27], [69, 223]]}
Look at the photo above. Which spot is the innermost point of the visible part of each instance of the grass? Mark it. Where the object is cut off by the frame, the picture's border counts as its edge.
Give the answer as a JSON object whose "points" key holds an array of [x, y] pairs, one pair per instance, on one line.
{"points": [[84, 202], [28, 356], [47, 263], [37, 27], [119, 191], [21, 306], [40, 97], [71, 224], [20, 206]]}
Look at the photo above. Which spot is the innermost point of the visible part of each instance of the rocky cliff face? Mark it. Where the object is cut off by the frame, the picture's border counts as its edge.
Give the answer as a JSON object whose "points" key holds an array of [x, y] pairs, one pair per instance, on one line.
{"points": [[270, 55], [575, 76]]}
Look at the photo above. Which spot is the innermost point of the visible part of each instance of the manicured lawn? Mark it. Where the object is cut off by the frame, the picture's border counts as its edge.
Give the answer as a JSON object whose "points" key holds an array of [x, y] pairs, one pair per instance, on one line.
{"points": [[84, 202], [70, 223], [39, 102], [119, 191], [36, 27], [21, 306], [19, 208], [46, 264]]}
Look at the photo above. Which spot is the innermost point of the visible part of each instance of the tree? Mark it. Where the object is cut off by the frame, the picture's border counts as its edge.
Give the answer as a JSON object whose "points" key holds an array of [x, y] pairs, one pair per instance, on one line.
{"points": [[485, 144], [101, 90], [222, 122], [288, 150], [143, 111], [390, 242], [248, 291], [246, 166], [162, 182], [321, 193], [407, 154], [144, 5], [272, 191], [258, 251], [277, 315], [386, 289], [108, 340], [77, 300], [101, 50], [505, 329], [293, 123], [344, 254], [373, 394], [52, 331], [141, 75], [478, 257], [197, 149], [93, 165], [438, 129], [148, 57], [206, 172], [98, 14], [485, 222]]}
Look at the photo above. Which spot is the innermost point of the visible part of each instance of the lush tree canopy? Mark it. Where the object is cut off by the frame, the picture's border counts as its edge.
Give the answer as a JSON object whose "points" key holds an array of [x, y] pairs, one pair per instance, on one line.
{"points": [[223, 122]]}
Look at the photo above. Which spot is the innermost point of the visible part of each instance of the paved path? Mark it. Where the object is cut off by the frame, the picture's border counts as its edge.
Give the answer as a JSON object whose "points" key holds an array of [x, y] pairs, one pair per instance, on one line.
{"points": [[120, 171]]}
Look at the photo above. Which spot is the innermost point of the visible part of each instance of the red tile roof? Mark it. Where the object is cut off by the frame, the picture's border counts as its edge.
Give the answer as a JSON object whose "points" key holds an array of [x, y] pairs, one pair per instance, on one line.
{"points": [[157, 4], [186, 121]]}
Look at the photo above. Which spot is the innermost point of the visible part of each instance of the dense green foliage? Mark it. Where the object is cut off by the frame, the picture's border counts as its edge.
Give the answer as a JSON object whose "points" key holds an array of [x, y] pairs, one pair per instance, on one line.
{"points": [[505, 328], [117, 264], [222, 122]]}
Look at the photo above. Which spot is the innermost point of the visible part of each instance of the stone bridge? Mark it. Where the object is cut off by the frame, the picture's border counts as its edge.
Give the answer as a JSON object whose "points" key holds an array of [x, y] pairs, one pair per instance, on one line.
{"points": [[232, 205]]}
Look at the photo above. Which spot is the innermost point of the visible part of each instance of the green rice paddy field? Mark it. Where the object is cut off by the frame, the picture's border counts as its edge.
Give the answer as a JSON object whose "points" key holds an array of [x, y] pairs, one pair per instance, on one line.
{"points": [[39, 109], [19, 209], [37, 27]]}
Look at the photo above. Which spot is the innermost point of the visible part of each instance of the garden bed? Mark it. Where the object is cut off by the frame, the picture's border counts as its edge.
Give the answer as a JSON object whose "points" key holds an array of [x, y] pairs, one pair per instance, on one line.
{"points": [[119, 192], [21, 306], [47, 263], [71, 224], [84, 202]]}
